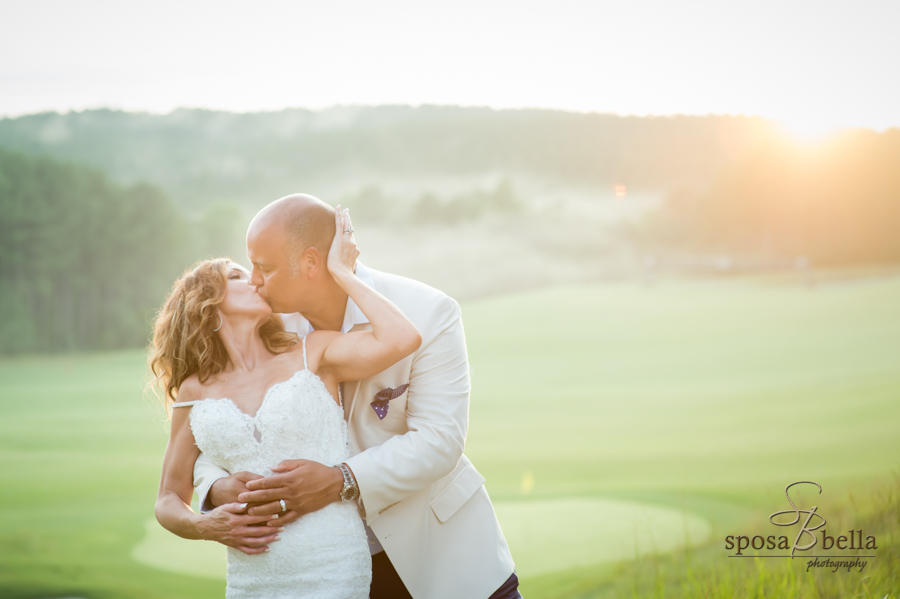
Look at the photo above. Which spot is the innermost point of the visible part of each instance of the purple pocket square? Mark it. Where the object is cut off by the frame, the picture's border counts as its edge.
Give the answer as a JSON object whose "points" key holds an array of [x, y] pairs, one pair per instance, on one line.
{"points": [[380, 403]]}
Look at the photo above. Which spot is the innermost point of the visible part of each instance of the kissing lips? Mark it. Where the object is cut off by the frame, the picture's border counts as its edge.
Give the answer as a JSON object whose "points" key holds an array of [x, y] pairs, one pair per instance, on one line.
{"points": [[264, 298]]}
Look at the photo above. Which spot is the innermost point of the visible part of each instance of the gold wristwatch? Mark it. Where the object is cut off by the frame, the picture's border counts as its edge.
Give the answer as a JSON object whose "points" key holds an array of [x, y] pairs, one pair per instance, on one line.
{"points": [[350, 490]]}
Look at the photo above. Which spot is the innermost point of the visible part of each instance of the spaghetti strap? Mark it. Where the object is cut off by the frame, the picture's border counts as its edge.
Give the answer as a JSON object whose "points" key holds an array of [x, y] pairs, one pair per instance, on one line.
{"points": [[304, 354], [185, 404]]}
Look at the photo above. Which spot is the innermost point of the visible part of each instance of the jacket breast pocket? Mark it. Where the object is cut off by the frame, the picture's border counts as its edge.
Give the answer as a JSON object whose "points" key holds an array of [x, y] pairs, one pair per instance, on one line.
{"points": [[457, 493]]}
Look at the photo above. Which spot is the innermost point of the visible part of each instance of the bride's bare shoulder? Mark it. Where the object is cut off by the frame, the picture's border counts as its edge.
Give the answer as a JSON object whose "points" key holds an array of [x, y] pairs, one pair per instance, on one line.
{"points": [[190, 390]]}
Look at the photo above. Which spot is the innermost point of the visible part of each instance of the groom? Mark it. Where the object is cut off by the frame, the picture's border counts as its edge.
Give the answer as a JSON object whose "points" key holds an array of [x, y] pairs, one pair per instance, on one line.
{"points": [[431, 526]]}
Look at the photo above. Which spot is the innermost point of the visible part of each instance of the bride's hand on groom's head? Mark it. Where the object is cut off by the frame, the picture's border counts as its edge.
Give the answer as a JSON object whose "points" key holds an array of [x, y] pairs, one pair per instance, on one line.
{"points": [[343, 252]]}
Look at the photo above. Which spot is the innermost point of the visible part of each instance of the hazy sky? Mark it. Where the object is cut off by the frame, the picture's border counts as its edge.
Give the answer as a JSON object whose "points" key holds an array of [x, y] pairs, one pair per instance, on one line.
{"points": [[815, 64]]}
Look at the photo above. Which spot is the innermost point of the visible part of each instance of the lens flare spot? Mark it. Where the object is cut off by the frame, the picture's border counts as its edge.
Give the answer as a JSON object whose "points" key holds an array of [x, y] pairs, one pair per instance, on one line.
{"points": [[527, 483]]}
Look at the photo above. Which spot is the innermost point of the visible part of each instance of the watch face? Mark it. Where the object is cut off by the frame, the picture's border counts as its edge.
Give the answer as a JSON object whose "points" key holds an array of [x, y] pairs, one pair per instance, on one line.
{"points": [[348, 493]]}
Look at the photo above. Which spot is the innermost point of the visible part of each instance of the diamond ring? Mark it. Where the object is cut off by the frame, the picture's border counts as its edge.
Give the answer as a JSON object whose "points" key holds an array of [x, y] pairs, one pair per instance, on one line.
{"points": [[283, 505]]}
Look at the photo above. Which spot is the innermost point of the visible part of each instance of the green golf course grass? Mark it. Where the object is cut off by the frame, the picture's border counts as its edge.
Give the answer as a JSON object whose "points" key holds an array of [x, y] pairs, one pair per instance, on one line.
{"points": [[608, 420]]}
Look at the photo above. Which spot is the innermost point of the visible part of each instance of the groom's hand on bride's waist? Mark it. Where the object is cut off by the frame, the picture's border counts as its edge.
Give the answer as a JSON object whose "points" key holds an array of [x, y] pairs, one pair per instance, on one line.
{"points": [[304, 485]]}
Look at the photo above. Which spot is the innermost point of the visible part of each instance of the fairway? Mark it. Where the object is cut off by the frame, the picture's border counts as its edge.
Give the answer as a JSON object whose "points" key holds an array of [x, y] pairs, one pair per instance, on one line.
{"points": [[607, 531], [608, 420], [706, 389]]}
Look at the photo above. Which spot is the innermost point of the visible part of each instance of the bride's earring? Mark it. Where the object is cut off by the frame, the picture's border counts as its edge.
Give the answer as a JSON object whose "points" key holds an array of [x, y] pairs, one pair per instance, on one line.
{"points": [[220, 322]]}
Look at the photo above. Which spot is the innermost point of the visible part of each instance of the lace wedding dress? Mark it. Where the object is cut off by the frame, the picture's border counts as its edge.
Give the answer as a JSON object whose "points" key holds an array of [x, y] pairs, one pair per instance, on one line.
{"points": [[323, 554]]}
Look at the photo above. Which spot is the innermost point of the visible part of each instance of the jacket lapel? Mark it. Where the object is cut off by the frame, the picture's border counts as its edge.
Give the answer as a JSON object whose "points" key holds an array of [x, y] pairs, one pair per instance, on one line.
{"points": [[350, 389]]}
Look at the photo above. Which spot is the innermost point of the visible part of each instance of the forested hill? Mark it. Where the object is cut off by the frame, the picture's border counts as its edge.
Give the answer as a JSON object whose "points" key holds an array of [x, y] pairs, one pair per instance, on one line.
{"points": [[84, 263], [100, 210], [201, 157]]}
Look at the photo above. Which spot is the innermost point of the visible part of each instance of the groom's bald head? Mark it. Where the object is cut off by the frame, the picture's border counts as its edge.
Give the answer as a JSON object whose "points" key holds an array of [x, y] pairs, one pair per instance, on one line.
{"points": [[300, 221]]}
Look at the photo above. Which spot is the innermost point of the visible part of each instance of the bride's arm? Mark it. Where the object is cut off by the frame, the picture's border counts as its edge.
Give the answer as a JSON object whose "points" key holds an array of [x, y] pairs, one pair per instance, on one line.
{"points": [[173, 502], [226, 524], [355, 356]]}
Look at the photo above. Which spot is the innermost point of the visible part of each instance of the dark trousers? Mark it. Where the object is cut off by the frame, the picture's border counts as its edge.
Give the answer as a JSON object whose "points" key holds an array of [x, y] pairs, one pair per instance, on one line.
{"points": [[386, 583]]}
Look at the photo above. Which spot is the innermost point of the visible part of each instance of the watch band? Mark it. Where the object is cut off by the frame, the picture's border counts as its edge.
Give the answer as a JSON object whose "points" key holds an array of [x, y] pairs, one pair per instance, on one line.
{"points": [[351, 489]]}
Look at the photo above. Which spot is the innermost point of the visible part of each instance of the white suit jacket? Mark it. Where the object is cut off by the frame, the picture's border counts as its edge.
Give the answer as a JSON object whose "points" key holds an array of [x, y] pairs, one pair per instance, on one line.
{"points": [[420, 495]]}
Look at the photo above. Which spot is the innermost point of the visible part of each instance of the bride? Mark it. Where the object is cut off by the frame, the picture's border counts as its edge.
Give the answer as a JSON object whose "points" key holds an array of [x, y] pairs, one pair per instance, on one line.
{"points": [[249, 395]]}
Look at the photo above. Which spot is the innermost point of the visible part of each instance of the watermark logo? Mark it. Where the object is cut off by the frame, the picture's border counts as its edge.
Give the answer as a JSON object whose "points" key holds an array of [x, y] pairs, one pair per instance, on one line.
{"points": [[812, 526]]}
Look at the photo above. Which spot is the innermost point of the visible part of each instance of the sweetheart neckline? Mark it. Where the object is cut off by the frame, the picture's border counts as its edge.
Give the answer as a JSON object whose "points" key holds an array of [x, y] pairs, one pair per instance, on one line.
{"points": [[266, 395]]}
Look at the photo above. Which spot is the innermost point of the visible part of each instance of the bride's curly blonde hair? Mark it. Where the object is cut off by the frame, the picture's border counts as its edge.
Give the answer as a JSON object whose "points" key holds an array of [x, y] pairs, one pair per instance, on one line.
{"points": [[184, 340]]}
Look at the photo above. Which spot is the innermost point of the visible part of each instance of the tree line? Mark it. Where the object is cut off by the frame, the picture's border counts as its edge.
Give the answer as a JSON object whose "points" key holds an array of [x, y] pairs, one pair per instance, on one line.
{"points": [[85, 262], [370, 205], [87, 252], [201, 156]]}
